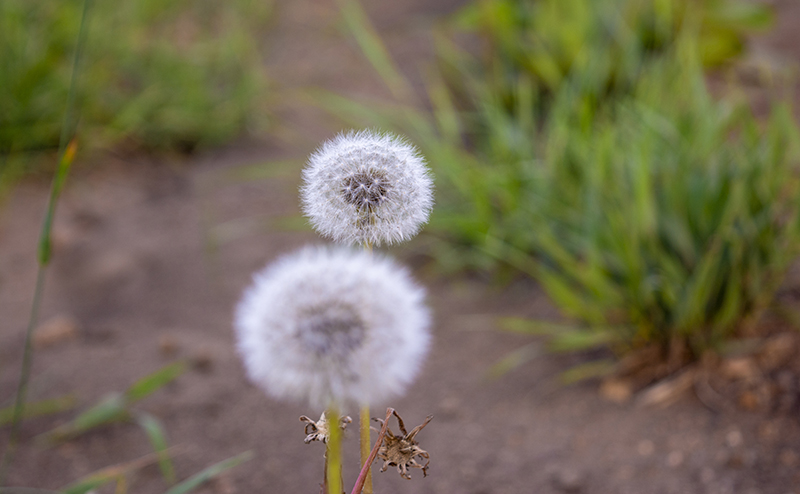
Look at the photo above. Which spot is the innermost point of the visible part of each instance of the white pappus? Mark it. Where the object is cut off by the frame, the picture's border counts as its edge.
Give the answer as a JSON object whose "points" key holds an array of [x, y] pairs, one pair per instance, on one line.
{"points": [[367, 188], [333, 327]]}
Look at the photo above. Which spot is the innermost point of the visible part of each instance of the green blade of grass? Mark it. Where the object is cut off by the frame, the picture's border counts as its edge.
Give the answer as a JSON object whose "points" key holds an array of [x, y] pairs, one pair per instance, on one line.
{"points": [[108, 475], [373, 48], [64, 164], [588, 370], [39, 408], [84, 486], [533, 326], [153, 382], [203, 476], [158, 440], [108, 410], [580, 340], [514, 359], [115, 407]]}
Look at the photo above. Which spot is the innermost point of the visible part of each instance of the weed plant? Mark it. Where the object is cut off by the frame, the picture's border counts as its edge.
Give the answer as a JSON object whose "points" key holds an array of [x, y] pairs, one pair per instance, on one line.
{"points": [[169, 74], [669, 216]]}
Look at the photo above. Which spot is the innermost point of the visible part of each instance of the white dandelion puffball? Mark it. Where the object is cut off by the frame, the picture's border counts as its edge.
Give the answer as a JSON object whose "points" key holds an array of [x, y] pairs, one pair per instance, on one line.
{"points": [[367, 188], [333, 327]]}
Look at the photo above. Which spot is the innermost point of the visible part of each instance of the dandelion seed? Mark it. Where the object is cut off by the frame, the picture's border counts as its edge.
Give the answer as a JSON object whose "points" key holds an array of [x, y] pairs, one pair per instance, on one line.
{"points": [[333, 327], [365, 187]]}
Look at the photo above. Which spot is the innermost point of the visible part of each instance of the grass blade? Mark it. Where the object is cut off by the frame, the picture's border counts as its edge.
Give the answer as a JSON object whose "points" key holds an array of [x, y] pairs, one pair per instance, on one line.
{"points": [[109, 474], [115, 407], [39, 408], [373, 48], [515, 359], [198, 479], [155, 432], [110, 409], [153, 382], [588, 370]]}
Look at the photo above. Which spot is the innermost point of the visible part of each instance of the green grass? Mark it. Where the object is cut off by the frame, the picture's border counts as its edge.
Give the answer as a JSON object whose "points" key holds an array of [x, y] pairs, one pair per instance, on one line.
{"points": [[172, 74], [543, 43], [669, 216]]}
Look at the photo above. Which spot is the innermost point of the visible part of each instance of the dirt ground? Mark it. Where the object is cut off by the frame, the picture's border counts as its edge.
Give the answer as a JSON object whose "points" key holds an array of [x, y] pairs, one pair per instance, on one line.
{"points": [[151, 256]]}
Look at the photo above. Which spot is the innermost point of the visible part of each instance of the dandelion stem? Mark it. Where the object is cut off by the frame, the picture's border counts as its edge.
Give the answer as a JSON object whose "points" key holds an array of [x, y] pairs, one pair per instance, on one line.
{"points": [[364, 428], [362, 477], [334, 452], [365, 448]]}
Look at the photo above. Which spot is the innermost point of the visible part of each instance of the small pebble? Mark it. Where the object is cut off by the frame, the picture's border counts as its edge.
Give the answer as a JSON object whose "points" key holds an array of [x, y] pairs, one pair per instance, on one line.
{"points": [[616, 390], [449, 408], [742, 368], [788, 457], [675, 459], [768, 432], [743, 459], [167, 345], [734, 439], [777, 351], [55, 331], [786, 381], [202, 360], [749, 400], [646, 447], [567, 479], [625, 473]]}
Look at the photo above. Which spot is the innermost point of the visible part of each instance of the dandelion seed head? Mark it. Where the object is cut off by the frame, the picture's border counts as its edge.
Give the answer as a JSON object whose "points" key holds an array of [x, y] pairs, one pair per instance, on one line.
{"points": [[332, 326], [365, 187]]}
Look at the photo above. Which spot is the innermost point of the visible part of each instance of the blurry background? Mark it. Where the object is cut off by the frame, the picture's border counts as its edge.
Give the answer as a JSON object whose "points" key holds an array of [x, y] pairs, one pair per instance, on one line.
{"points": [[610, 260]]}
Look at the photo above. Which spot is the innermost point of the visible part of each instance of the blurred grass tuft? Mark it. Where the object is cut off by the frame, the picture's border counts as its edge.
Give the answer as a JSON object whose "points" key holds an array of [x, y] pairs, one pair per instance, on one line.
{"points": [[172, 74]]}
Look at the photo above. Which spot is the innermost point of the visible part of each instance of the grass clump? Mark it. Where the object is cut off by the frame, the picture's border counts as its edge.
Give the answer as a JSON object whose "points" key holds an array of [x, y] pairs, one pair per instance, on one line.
{"points": [[170, 74], [666, 216], [669, 216]]}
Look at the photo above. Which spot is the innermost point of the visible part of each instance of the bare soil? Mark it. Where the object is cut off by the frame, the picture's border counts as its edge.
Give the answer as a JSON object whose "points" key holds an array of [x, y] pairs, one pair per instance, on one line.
{"points": [[151, 256]]}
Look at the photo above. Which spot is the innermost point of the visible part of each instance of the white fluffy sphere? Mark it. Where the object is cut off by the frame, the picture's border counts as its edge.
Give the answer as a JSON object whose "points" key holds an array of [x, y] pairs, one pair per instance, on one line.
{"points": [[333, 327], [365, 187]]}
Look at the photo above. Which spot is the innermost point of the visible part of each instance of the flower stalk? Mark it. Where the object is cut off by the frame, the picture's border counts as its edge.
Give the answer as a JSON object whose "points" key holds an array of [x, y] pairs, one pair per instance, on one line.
{"points": [[364, 428], [333, 455], [366, 464]]}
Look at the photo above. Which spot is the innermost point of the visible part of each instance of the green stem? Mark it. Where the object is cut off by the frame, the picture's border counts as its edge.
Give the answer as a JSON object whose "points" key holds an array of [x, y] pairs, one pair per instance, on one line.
{"points": [[22, 387], [334, 453], [365, 447], [364, 429], [67, 148]]}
